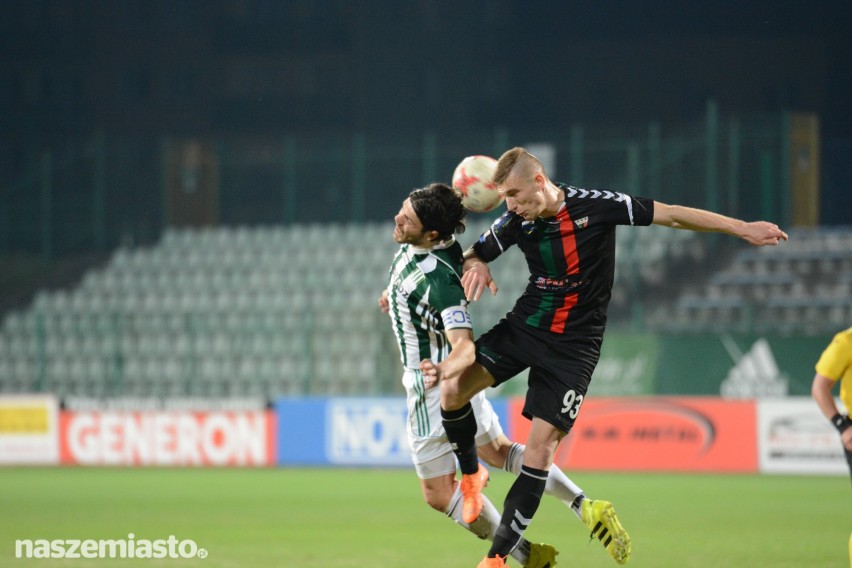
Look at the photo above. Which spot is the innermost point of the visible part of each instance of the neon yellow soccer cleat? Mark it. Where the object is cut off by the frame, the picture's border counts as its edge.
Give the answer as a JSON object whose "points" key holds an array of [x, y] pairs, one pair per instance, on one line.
{"points": [[541, 556], [601, 519]]}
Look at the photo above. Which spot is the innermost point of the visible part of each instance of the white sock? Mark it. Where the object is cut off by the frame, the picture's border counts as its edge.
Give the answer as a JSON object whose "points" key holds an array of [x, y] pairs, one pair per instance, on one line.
{"points": [[485, 527], [558, 484]]}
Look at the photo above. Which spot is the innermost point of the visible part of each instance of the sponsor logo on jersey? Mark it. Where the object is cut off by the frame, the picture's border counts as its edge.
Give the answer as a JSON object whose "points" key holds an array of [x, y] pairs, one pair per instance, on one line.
{"points": [[558, 284]]}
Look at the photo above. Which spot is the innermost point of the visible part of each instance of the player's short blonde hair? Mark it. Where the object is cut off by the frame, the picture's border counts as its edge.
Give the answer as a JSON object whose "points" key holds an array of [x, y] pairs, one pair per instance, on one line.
{"points": [[517, 157]]}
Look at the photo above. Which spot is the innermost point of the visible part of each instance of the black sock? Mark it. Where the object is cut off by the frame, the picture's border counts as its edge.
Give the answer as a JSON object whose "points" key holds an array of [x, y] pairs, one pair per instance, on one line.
{"points": [[460, 426], [518, 510]]}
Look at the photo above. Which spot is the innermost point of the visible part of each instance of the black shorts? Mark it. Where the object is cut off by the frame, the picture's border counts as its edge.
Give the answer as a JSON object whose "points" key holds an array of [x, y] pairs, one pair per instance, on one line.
{"points": [[560, 366]]}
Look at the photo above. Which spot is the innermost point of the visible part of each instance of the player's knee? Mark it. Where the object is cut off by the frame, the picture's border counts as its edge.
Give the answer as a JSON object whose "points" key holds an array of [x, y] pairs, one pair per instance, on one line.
{"points": [[493, 460], [437, 502], [495, 452], [452, 397]]}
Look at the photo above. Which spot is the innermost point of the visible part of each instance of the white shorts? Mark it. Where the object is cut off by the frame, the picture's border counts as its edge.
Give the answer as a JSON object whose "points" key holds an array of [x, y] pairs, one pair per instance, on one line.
{"points": [[430, 449]]}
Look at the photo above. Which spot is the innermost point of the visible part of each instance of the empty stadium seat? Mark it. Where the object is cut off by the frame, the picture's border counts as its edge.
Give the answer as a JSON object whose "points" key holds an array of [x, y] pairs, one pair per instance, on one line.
{"points": [[292, 310]]}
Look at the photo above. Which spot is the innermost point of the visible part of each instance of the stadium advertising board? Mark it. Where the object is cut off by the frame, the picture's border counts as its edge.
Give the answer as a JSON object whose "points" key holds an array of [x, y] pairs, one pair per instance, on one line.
{"points": [[746, 366], [656, 434], [28, 430], [167, 433], [343, 431], [794, 437], [627, 365], [346, 431], [366, 432]]}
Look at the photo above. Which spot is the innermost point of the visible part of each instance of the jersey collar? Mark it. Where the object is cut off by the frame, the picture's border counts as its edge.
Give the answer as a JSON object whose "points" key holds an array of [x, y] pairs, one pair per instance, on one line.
{"points": [[440, 246]]}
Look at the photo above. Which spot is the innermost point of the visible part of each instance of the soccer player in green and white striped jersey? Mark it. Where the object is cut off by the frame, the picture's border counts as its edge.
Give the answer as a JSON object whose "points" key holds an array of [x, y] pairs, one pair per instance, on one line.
{"points": [[428, 311]]}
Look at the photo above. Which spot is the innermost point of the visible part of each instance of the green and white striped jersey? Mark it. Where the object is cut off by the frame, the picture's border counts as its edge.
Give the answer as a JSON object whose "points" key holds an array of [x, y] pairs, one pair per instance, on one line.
{"points": [[426, 299]]}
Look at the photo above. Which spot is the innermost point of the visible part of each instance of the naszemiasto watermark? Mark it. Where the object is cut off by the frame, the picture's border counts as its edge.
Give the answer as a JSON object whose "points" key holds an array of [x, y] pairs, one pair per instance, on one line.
{"points": [[129, 547]]}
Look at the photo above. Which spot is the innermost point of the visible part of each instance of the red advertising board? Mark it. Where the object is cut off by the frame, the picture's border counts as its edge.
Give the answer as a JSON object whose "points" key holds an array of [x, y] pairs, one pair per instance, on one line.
{"points": [[168, 438], [656, 434]]}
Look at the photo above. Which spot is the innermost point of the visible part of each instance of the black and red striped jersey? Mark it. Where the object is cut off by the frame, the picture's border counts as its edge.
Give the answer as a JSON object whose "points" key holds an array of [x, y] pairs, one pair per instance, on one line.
{"points": [[571, 257]]}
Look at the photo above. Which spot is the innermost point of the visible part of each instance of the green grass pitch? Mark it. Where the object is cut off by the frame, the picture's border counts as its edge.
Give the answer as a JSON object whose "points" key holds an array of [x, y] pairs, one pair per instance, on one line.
{"points": [[329, 518]]}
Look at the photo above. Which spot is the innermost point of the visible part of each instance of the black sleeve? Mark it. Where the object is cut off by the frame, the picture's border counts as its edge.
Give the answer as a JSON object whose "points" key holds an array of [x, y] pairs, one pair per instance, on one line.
{"points": [[616, 208], [502, 234], [643, 211]]}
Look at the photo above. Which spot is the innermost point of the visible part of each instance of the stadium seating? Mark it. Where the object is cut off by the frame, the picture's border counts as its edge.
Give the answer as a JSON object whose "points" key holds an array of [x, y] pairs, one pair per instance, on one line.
{"points": [[292, 310], [802, 286]]}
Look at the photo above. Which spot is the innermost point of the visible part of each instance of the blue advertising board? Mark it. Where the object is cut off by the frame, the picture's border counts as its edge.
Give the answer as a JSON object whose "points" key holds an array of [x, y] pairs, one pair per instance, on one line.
{"points": [[347, 431]]}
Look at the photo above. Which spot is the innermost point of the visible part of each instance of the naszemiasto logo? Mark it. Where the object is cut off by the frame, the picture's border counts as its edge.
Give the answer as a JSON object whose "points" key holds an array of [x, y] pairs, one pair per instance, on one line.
{"points": [[130, 547]]}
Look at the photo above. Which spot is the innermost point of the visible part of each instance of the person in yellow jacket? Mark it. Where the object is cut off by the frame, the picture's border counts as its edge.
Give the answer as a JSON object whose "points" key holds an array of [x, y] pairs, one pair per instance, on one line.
{"points": [[835, 366]]}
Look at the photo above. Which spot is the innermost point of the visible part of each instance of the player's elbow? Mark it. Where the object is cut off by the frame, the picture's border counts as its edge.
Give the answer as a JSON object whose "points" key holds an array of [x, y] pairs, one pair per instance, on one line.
{"points": [[666, 215], [821, 388], [817, 388]]}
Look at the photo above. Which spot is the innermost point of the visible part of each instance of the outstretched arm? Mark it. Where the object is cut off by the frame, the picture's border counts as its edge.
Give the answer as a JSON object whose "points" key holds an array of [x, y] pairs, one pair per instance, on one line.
{"points": [[757, 233]]}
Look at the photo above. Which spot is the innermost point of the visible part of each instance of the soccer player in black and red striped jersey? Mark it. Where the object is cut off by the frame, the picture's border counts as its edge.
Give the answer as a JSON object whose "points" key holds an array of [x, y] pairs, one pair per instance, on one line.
{"points": [[556, 327]]}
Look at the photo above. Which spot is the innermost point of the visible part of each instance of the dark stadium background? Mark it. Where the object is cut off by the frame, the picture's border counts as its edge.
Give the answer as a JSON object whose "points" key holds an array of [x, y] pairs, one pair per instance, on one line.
{"points": [[195, 212], [122, 119]]}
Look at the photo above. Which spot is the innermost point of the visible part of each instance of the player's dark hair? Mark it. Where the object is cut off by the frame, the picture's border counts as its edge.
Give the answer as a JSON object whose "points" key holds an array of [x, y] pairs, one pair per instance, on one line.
{"points": [[439, 208]]}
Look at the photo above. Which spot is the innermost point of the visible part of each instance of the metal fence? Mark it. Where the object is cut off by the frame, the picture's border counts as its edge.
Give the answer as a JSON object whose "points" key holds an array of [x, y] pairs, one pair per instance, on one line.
{"points": [[97, 193]]}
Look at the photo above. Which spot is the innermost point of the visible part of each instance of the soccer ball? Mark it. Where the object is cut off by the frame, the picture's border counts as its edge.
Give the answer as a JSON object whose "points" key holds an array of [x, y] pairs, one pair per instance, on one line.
{"points": [[472, 179]]}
